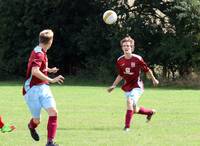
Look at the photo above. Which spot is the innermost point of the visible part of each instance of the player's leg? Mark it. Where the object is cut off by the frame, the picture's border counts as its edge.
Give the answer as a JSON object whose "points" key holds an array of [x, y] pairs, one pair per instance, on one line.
{"points": [[1, 122], [150, 115], [32, 99], [34, 122], [132, 100], [148, 112], [129, 114], [137, 92], [51, 126], [49, 104], [5, 127]]}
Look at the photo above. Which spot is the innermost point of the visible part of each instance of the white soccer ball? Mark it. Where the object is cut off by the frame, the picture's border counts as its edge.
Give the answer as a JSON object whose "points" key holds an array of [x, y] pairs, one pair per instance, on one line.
{"points": [[109, 17]]}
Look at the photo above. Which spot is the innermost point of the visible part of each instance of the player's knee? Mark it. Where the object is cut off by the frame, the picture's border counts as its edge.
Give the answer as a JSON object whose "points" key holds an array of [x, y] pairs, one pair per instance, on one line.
{"points": [[52, 112], [129, 104], [36, 121], [55, 113], [129, 101]]}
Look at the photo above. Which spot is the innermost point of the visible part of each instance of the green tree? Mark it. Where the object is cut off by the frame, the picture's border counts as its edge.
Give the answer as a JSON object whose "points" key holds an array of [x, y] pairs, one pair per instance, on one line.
{"points": [[166, 34]]}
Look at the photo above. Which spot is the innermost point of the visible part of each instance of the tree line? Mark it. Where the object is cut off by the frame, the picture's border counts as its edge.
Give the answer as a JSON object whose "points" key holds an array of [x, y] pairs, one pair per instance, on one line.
{"points": [[166, 33]]}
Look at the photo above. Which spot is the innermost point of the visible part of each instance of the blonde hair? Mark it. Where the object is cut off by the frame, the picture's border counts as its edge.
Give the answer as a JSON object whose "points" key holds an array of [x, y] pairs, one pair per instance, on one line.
{"points": [[128, 39], [45, 36]]}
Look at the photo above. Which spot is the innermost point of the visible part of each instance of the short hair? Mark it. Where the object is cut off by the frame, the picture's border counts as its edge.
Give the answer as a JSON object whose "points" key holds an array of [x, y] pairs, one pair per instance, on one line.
{"points": [[128, 39], [45, 36]]}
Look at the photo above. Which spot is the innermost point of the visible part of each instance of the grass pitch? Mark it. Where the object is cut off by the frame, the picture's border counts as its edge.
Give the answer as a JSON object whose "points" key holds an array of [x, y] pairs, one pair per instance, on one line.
{"points": [[89, 116]]}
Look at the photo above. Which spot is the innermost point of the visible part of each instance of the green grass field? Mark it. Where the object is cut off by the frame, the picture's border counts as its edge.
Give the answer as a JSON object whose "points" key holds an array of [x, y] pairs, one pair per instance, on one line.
{"points": [[89, 116]]}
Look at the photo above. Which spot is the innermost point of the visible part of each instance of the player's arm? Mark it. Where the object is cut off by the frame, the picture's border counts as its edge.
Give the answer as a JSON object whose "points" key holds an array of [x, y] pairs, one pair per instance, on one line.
{"points": [[115, 83], [148, 72], [37, 73], [152, 77], [52, 70]]}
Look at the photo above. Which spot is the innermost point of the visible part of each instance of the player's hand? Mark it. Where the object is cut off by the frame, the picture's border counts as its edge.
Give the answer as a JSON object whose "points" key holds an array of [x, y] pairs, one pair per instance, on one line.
{"points": [[59, 79], [155, 82], [54, 70], [111, 88]]}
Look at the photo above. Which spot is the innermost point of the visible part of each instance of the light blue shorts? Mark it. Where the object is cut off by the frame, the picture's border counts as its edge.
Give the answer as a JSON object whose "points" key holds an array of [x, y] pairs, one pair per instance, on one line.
{"points": [[39, 97], [134, 94]]}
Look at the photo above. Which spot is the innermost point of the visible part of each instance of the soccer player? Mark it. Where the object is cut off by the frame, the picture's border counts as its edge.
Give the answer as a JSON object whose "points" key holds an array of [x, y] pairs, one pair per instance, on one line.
{"points": [[36, 90], [129, 68], [4, 127]]}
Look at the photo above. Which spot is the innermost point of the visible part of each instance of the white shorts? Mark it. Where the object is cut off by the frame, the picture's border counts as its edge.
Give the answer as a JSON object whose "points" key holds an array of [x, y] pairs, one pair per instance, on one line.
{"points": [[39, 97], [134, 94]]}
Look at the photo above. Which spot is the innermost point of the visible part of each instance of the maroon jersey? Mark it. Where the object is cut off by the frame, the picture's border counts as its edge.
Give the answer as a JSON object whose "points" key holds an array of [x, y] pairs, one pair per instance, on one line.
{"points": [[130, 69], [38, 58]]}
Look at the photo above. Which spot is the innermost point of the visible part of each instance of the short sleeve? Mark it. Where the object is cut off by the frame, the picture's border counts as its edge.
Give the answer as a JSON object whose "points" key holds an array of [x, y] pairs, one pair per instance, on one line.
{"points": [[143, 65], [37, 60]]}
